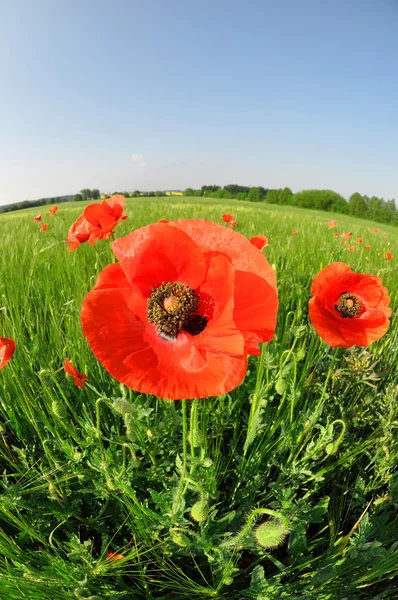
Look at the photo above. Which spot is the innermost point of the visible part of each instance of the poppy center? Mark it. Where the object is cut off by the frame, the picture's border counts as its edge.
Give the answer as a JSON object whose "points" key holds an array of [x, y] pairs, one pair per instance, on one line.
{"points": [[348, 305], [173, 307]]}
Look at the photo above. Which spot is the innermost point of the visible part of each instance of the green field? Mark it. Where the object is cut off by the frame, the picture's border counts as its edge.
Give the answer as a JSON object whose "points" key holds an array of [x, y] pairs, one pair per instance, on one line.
{"points": [[80, 477]]}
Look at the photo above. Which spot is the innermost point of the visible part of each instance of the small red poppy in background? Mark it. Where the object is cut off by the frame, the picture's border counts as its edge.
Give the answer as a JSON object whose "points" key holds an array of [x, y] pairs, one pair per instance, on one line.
{"points": [[344, 243], [389, 256], [331, 224], [227, 217], [97, 222], [114, 556], [260, 241], [368, 247], [44, 227], [294, 232], [360, 240], [376, 230], [385, 235], [352, 248], [233, 223], [180, 312], [78, 378], [7, 349], [348, 308], [53, 210], [336, 234], [37, 218], [346, 236], [163, 221]]}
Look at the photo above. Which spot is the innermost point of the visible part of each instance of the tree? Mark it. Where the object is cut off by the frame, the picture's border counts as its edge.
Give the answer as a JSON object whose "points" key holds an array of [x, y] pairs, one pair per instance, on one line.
{"points": [[77, 198], [357, 205], [95, 194], [254, 195], [85, 194]]}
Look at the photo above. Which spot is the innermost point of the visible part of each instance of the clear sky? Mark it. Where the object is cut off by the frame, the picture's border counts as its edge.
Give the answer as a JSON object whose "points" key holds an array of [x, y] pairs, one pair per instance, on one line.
{"points": [[166, 94]]}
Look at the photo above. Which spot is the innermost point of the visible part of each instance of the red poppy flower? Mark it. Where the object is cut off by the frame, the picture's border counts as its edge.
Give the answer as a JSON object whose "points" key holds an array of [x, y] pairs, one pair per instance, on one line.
{"points": [[389, 256], [37, 218], [177, 317], [367, 247], [346, 236], [260, 241], [360, 240], [163, 221], [348, 308], [331, 224], [336, 234], [385, 235], [233, 223], [44, 227], [78, 378], [97, 222], [294, 232], [227, 217], [352, 248], [376, 230], [344, 243], [53, 210], [113, 556], [7, 349]]}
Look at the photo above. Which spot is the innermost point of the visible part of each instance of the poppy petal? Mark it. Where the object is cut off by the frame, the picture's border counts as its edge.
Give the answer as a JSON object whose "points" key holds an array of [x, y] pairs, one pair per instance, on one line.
{"points": [[221, 333], [160, 253], [212, 237], [253, 297]]}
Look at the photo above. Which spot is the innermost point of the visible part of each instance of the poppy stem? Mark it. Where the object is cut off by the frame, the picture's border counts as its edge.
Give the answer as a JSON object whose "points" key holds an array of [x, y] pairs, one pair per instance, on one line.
{"points": [[254, 416], [183, 473]]}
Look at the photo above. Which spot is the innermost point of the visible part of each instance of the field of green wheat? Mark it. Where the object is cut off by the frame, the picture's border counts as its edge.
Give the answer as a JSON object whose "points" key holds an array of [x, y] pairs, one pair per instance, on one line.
{"points": [[89, 477]]}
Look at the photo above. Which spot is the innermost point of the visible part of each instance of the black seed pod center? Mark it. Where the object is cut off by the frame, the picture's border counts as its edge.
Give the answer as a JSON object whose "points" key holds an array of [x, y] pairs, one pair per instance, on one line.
{"points": [[173, 307], [348, 305]]}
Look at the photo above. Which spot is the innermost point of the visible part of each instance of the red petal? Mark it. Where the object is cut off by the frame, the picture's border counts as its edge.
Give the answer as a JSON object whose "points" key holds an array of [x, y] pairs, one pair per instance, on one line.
{"points": [[211, 237], [159, 253], [221, 333], [323, 278], [256, 307], [69, 368], [7, 349]]}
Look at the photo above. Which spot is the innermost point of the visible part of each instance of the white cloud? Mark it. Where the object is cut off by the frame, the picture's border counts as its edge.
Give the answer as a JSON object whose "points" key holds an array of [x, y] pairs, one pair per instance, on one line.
{"points": [[138, 158]]}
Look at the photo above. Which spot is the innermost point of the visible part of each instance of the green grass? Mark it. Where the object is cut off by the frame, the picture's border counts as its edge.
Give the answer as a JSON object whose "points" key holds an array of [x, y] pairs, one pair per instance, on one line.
{"points": [[81, 476]]}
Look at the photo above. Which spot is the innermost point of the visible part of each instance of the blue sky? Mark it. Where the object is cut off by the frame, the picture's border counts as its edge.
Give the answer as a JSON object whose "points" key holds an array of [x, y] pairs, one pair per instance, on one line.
{"points": [[124, 95]]}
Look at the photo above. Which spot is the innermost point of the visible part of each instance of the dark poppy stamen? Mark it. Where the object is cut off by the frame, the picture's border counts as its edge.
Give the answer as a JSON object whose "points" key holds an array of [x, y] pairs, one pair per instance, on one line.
{"points": [[348, 305], [173, 307]]}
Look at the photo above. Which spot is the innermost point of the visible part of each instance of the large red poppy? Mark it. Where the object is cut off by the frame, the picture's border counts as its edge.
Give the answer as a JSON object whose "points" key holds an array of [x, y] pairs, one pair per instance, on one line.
{"points": [[97, 222], [7, 348], [348, 308], [177, 317]]}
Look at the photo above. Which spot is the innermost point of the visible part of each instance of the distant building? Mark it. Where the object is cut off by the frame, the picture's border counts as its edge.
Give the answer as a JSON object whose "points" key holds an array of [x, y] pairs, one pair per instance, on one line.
{"points": [[172, 193]]}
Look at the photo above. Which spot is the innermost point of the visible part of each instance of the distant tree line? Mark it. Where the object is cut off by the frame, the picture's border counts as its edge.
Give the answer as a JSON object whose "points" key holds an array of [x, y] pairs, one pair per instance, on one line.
{"points": [[372, 208], [83, 195]]}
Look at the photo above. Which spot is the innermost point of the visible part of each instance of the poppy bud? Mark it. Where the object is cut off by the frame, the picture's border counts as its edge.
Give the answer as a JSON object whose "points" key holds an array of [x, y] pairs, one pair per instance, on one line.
{"points": [[59, 409], [179, 538], [280, 386], [199, 512], [271, 534]]}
